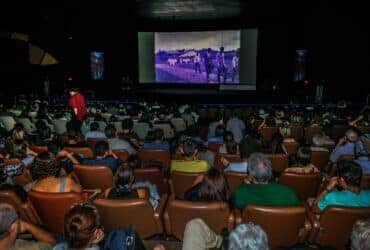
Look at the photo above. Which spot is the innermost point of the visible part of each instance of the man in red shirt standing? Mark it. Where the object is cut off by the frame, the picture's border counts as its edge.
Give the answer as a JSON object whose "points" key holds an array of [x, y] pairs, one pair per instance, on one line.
{"points": [[79, 110]]}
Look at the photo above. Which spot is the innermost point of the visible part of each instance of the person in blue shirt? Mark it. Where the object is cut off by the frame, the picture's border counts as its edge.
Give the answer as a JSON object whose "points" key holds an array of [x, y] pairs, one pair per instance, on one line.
{"points": [[103, 157], [348, 145], [344, 190], [94, 132], [364, 162], [155, 140], [219, 135]]}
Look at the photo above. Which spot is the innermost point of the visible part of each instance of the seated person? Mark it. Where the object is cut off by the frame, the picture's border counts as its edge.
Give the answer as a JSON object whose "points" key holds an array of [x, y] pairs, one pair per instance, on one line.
{"points": [[198, 236], [103, 157], [155, 140], [219, 135], [364, 162], [229, 146], [115, 143], [43, 136], [277, 144], [127, 133], [48, 176], [209, 187], [348, 145], [258, 188], [302, 162], [189, 161], [322, 141], [6, 183], [127, 188], [213, 125], [82, 229], [20, 151], [344, 190], [94, 132], [11, 225], [247, 146], [74, 139], [18, 133]]}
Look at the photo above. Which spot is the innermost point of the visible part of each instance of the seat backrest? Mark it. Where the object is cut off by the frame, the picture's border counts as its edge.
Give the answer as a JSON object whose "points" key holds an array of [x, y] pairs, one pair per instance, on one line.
{"points": [[117, 214], [91, 142], [279, 162], [180, 182], [234, 179], [320, 158], [229, 157], [311, 131], [268, 132], [291, 147], [365, 184], [25, 210], [94, 177], [337, 131], [121, 154], [304, 185], [214, 146], [85, 151], [336, 225], [167, 130], [39, 149], [52, 207], [154, 157], [296, 132], [283, 225], [154, 176], [178, 213]]}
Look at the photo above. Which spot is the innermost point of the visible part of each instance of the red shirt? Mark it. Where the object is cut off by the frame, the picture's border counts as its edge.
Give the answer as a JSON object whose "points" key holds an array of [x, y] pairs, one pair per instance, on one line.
{"points": [[77, 101]]}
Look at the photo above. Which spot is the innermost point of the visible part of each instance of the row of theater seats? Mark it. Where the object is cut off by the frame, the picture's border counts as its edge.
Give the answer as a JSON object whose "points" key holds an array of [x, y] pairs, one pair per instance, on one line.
{"points": [[285, 226]]}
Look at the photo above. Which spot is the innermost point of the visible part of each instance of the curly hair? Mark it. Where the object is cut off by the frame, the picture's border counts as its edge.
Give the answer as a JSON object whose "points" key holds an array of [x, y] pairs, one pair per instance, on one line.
{"points": [[45, 166]]}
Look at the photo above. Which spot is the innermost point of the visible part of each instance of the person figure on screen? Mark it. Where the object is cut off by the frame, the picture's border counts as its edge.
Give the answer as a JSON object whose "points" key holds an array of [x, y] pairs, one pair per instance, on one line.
{"points": [[208, 63], [197, 63], [235, 63], [221, 67]]}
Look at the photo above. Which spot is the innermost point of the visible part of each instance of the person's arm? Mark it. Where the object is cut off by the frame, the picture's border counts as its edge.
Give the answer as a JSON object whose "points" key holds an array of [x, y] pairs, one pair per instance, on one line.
{"points": [[38, 233], [332, 184], [68, 155]]}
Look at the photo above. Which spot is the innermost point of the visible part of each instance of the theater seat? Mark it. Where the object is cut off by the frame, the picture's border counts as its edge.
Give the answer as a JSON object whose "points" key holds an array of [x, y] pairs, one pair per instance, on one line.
{"points": [[178, 213], [334, 226], [311, 131], [234, 179], [229, 157], [116, 214], [94, 177], [91, 142], [85, 151], [268, 132], [304, 185], [180, 182], [320, 158], [296, 132], [52, 207], [121, 154], [365, 184], [279, 162], [214, 146], [25, 210], [154, 176], [39, 149], [284, 226], [291, 147], [150, 157]]}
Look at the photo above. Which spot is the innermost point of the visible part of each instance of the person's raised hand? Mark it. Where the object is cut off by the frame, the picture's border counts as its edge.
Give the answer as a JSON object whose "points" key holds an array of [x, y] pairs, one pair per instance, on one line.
{"points": [[332, 183]]}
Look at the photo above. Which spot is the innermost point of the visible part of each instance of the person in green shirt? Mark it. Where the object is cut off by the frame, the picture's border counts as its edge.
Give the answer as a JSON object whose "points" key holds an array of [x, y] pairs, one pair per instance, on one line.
{"points": [[189, 162], [258, 190]]}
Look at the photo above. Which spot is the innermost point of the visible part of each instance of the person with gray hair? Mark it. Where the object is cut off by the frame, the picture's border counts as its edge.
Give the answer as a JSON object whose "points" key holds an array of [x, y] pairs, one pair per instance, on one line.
{"points": [[360, 237], [198, 236], [11, 225], [258, 189]]}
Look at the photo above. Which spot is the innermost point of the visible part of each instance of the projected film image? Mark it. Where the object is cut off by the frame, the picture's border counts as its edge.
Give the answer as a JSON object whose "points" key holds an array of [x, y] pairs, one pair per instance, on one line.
{"points": [[97, 65], [197, 57]]}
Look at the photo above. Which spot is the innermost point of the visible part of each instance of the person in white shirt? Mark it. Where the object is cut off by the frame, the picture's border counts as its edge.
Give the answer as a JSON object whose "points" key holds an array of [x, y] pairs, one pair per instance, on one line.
{"points": [[237, 127]]}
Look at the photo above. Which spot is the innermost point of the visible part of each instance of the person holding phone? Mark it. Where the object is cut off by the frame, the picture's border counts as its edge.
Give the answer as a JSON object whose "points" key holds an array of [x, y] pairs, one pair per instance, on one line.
{"points": [[348, 145]]}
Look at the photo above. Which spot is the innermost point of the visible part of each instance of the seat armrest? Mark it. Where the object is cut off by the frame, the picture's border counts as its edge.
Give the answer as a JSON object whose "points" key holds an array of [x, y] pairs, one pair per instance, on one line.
{"points": [[314, 224], [172, 188], [238, 216], [167, 222], [158, 213]]}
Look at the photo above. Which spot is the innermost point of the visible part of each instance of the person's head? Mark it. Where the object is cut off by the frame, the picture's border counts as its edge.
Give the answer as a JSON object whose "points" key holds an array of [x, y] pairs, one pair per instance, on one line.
{"points": [[101, 148], [124, 177], [189, 147], [220, 131], [248, 236], [214, 186], [259, 167], [351, 135], [18, 132], [350, 172], [72, 134], [110, 131], [44, 166], [127, 125], [73, 91], [248, 146], [360, 237], [231, 146], [94, 126], [8, 225], [277, 143], [303, 156], [82, 227], [158, 134], [209, 50], [222, 49]]}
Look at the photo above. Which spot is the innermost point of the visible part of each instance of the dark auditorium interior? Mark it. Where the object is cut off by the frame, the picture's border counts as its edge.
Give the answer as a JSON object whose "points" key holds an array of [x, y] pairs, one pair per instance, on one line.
{"points": [[185, 124]]}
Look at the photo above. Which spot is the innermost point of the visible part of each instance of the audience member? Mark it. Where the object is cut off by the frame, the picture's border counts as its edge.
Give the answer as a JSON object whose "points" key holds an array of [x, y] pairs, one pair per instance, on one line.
{"points": [[103, 157], [116, 143], [229, 145], [155, 140], [95, 132], [302, 162], [237, 127], [348, 145]]}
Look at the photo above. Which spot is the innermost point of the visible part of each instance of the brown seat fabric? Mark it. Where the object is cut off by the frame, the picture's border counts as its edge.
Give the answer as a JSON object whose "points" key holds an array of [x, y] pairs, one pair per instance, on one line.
{"points": [[39, 149], [296, 132], [94, 177], [178, 213], [234, 179], [311, 131], [91, 142], [180, 182], [320, 158], [291, 147], [229, 157], [285, 226], [214, 146], [52, 207], [279, 162], [304, 185], [150, 157], [154, 176], [116, 214], [121, 154], [268, 132]]}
